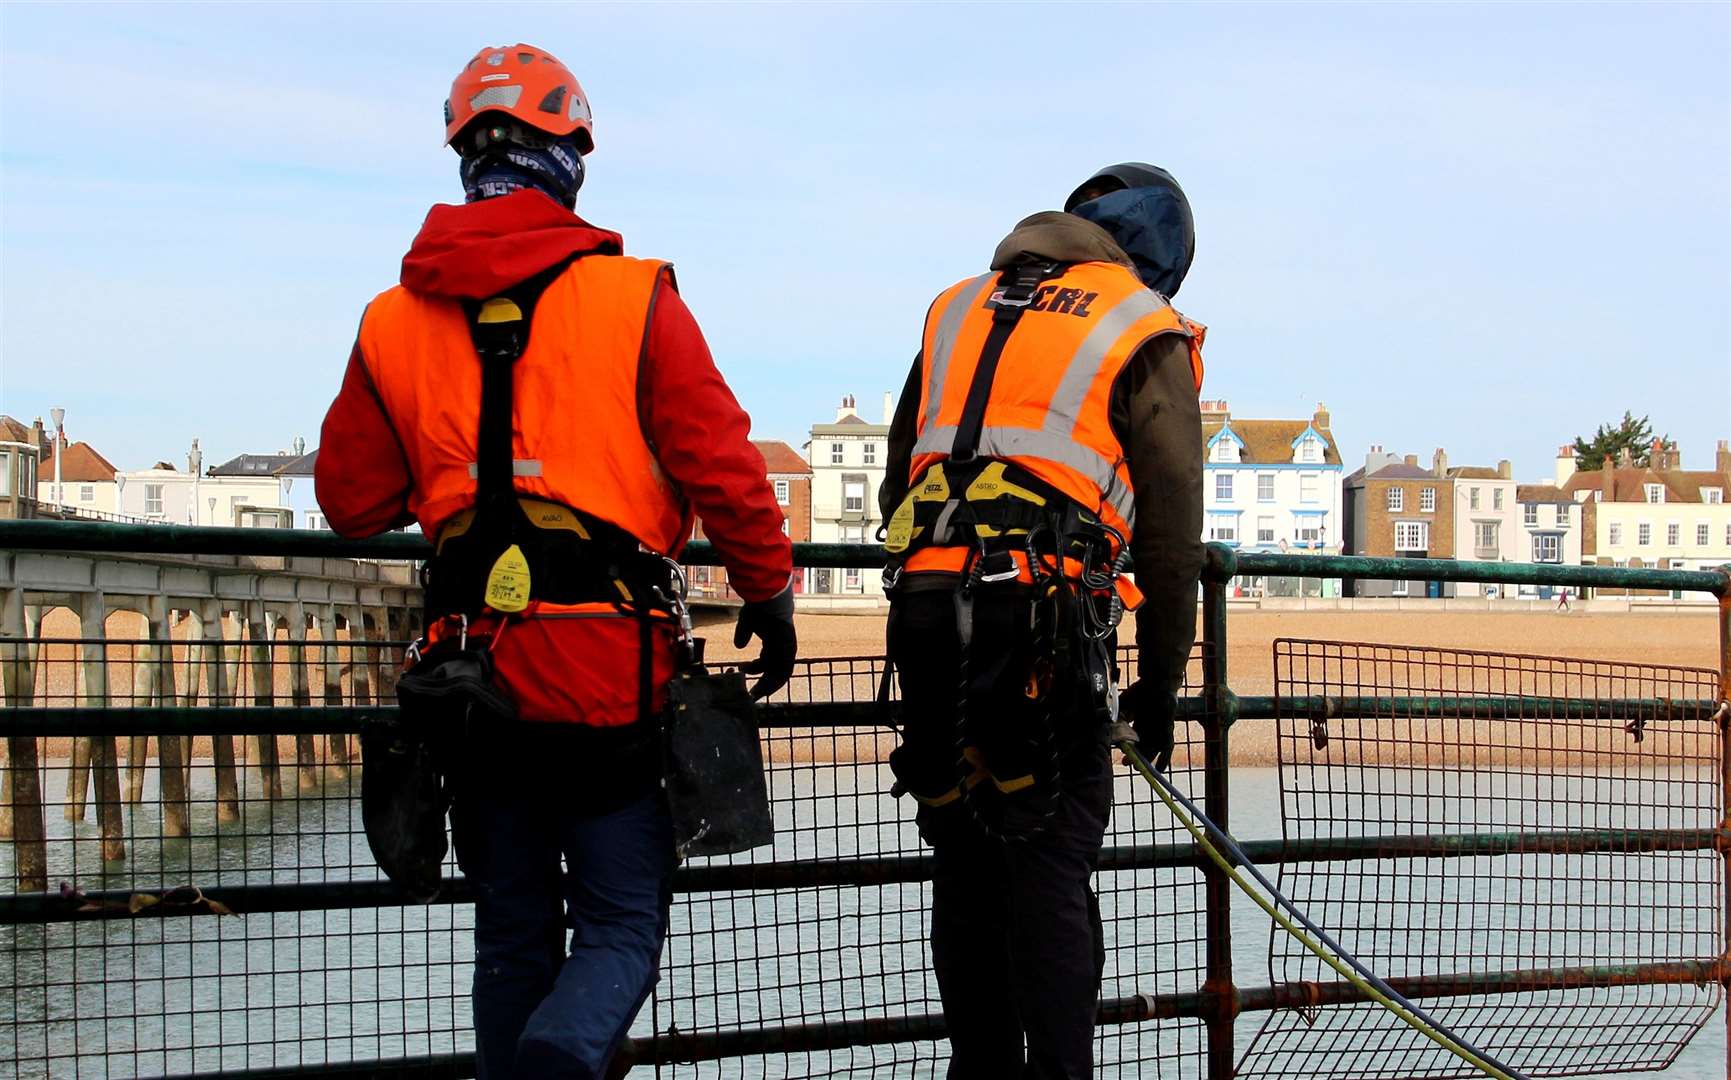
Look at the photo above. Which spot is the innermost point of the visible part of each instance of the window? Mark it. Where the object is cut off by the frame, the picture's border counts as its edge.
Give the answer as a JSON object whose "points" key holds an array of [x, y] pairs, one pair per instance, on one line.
{"points": [[835, 453], [853, 496], [1485, 538], [1265, 487], [1714, 496], [1643, 534], [1310, 531], [853, 534], [1616, 534], [784, 526], [87, 493], [781, 492], [1472, 498], [153, 498], [1397, 588], [851, 581], [1265, 530], [1728, 535], [1563, 514], [1307, 487], [1496, 498], [1655, 493], [1427, 500], [871, 453], [1396, 498], [1223, 527], [1226, 449], [1702, 534], [1673, 534], [5, 472], [1412, 536], [1531, 514], [1222, 486], [1547, 547]]}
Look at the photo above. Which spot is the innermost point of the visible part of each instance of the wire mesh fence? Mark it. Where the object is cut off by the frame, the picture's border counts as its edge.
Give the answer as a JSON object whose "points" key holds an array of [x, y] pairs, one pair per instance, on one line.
{"points": [[212, 905], [1566, 910]]}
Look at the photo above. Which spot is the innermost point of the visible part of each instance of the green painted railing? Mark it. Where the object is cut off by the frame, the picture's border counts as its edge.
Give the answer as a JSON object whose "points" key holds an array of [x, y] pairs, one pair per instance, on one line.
{"points": [[1219, 1001]]}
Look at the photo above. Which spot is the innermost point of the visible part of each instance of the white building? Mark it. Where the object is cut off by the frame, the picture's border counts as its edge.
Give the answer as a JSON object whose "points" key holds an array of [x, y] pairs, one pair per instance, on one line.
{"points": [[847, 468], [1550, 529], [1272, 486], [165, 494], [1488, 520]]}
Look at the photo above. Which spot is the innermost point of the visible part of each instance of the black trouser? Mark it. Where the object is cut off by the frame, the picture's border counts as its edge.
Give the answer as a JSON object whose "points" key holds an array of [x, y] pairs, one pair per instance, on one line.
{"points": [[1016, 937]]}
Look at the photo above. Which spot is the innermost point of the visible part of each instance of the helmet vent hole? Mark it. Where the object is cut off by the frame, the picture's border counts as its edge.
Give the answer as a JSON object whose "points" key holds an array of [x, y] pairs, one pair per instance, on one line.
{"points": [[525, 58], [555, 98]]}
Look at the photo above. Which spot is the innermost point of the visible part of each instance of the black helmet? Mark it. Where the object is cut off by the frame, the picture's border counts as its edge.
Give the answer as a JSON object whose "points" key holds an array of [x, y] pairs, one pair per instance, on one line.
{"points": [[1145, 211]]}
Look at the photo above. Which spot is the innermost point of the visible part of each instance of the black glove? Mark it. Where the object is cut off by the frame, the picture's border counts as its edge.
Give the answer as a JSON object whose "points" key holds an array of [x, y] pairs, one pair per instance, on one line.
{"points": [[1153, 713], [771, 621]]}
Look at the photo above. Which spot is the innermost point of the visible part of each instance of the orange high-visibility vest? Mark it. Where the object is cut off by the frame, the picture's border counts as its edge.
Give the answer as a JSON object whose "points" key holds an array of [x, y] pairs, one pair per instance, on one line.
{"points": [[1049, 408], [576, 439]]}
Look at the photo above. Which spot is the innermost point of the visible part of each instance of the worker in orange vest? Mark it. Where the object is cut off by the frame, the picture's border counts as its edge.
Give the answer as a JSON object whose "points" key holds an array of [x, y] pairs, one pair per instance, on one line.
{"points": [[547, 410], [1049, 438]]}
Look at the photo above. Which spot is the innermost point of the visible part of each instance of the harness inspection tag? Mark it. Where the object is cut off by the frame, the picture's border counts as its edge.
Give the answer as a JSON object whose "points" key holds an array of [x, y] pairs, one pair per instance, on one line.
{"points": [[508, 582]]}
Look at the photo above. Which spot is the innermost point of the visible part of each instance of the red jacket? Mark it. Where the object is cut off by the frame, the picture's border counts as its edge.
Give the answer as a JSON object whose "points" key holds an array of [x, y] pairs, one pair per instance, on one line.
{"points": [[697, 428]]}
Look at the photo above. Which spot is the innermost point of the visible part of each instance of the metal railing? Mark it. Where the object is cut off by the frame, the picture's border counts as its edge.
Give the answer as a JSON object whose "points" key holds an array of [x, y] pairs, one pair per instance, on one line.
{"points": [[1355, 723]]}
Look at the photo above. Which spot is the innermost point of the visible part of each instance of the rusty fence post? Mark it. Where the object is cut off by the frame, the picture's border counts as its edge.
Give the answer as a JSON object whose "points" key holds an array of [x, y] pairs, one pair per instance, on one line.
{"points": [[219, 691], [23, 765], [1219, 710]]}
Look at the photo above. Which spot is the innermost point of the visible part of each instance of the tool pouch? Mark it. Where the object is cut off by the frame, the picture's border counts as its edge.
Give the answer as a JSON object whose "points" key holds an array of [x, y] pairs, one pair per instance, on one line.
{"points": [[714, 765], [405, 789]]}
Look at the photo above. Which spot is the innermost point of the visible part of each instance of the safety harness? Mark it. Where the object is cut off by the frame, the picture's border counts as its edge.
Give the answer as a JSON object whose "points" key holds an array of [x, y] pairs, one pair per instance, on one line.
{"points": [[1020, 533], [508, 555]]}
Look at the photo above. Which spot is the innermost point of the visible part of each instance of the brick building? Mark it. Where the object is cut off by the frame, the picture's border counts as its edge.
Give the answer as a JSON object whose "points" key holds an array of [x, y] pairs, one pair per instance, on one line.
{"points": [[790, 476], [1395, 508], [21, 449], [1658, 515]]}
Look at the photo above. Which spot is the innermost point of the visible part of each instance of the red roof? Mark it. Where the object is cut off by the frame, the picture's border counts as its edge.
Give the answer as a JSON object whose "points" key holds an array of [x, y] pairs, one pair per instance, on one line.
{"points": [[778, 457], [83, 465]]}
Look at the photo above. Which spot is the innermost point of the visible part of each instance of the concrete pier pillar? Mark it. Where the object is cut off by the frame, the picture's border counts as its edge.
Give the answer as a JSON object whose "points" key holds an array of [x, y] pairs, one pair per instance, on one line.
{"points": [[171, 749], [22, 812], [301, 695], [101, 765], [219, 690], [332, 668], [261, 633]]}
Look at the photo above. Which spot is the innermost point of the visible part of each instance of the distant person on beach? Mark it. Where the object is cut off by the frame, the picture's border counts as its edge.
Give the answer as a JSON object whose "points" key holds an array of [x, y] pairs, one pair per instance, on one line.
{"points": [[555, 471], [1049, 436], [1562, 600]]}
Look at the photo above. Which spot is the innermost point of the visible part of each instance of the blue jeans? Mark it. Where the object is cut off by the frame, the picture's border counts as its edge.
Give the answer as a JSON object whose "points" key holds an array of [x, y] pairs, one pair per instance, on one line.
{"points": [[538, 1011]]}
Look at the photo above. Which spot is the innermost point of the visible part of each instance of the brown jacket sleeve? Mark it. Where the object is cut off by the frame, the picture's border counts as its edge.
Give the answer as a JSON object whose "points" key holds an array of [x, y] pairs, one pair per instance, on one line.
{"points": [[901, 445], [1158, 419]]}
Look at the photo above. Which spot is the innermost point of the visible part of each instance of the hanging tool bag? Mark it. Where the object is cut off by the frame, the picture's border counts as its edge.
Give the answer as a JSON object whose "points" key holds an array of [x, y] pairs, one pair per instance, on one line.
{"points": [[714, 762]]}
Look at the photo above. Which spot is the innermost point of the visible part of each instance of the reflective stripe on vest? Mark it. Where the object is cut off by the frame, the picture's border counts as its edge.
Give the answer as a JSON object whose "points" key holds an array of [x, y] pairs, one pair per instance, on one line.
{"points": [[577, 439], [1050, 405]]}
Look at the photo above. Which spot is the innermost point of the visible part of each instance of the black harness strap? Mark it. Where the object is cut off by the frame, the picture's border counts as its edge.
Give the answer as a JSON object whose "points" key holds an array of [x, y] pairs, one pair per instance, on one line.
{"points": [[1016, 288]]}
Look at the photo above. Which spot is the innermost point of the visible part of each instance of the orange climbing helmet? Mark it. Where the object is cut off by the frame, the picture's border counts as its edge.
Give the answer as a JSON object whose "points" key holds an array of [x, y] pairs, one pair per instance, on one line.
{"points": [[526, 83]]}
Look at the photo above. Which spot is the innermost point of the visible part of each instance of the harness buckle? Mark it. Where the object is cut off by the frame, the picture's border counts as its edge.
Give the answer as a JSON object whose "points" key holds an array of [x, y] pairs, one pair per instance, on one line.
{"points": [[998, 566]]}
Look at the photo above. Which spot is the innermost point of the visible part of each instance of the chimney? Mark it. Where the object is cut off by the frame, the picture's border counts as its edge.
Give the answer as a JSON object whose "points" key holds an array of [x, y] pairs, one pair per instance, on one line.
{"points": [[1722, 458], [846, 409], [1607, 479], [889, 407], [300, 446], [1625, 458], [1439, 463], [1411, 459], [1320, 420], [1215, 409], [1506, 469], [1565, 464], [39, 436]]}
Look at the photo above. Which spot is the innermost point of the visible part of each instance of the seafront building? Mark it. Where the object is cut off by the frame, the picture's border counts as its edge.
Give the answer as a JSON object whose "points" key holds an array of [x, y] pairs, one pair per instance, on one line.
{"points": [[847, 468], [1655, 515], [1272, 485]]}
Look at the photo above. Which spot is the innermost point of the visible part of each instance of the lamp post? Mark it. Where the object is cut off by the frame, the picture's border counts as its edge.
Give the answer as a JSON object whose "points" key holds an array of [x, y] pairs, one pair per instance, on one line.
{"points": [[195, 465], [59, 416]]}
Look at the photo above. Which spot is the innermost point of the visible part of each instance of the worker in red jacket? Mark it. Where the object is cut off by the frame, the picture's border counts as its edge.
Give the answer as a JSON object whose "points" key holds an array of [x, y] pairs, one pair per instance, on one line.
{"points": [[547, 410]]}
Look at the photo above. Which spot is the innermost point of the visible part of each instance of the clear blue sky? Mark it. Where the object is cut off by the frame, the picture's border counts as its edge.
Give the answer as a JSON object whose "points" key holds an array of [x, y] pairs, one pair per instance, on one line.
{"points": [[1485, 228]]}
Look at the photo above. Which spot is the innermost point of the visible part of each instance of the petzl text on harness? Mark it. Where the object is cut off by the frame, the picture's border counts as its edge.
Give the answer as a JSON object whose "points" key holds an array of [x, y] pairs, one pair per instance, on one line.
{"points": [[714, 768]]}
